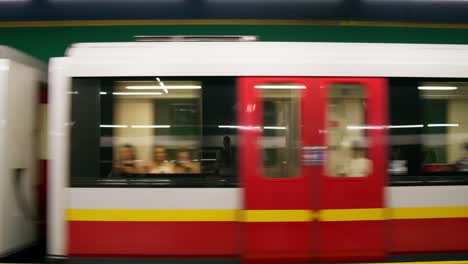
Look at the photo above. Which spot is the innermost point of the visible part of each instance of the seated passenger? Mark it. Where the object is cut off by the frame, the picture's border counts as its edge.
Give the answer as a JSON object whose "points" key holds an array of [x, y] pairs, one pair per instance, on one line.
{"points": [[226, 153], [359, 165], [127, 162], [225, 158], [184, 163], [462, 164], [160, 164]]}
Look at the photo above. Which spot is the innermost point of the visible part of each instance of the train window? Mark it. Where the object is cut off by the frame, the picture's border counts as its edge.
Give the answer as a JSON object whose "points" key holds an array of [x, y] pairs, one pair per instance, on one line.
{"points": [[346, 132], [153, 131], [281, 129], [445, 130], [428, 131]]}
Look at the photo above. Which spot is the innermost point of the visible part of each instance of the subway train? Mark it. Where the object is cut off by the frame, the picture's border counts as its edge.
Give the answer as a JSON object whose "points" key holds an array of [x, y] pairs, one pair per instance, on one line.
{"points": [[21, 79], [254, 152]]}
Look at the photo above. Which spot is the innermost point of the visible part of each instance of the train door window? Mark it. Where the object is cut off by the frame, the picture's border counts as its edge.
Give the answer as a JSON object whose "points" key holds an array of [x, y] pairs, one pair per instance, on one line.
{"points": [[346, 132], [281, 129], [157, 131], [445, 127]]}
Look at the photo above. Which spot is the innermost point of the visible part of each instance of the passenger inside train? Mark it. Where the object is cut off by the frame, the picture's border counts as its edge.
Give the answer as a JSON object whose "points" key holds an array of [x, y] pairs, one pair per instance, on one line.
{"points": [[359, 165], [160, 164], [462, 164], [185, 164], [225, 157], [127, 162]]}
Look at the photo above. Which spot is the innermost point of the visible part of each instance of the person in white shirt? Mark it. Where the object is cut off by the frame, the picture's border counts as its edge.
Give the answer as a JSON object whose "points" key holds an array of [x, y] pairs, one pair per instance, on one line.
{"points": [[127, 163], [160, 164], [359, 165]]}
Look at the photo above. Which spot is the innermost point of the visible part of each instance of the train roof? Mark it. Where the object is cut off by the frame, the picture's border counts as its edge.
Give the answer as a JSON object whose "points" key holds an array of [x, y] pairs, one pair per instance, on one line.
{"points": [[258, 58], [261, 47], [18, 56]]}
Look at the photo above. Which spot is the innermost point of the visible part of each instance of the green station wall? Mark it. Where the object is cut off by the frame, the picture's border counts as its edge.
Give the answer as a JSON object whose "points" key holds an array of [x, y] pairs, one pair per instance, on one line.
{"points": [[45, 42]]}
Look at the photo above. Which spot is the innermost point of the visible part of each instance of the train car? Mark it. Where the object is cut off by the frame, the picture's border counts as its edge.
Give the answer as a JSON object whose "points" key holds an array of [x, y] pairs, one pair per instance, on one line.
{"points": [[258, 151], [21, 78]]}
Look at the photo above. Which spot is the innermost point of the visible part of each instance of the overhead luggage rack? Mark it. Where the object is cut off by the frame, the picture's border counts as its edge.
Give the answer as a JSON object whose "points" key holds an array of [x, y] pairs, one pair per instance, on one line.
{"points": [[228, 38]]}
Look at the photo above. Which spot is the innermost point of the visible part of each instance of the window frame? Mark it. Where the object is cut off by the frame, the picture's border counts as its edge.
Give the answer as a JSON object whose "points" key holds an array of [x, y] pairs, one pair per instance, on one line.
{"points": [[176, 180], [420, 178]]}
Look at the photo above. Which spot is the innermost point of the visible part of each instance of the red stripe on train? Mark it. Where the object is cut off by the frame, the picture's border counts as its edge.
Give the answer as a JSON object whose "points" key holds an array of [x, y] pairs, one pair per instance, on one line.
{"points": [[428, 235], [153, 238], [342, 241], [185, 239]]}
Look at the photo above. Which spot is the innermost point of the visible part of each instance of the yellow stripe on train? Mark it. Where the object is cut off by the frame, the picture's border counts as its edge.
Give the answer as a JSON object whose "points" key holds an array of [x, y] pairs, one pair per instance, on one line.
{"points": [[278, 216], [352, 214], [221, 215], [152, 215], [373, 214], [429, 212]]}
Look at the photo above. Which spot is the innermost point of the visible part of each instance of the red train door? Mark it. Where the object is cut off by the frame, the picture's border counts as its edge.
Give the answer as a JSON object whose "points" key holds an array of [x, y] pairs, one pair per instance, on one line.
{"points": [[278, 188], [351, 179], [312, 164]]}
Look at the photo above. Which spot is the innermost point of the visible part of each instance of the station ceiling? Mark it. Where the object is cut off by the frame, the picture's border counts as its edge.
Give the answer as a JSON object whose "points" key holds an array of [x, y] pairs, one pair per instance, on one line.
{"points": [[431, 11]]}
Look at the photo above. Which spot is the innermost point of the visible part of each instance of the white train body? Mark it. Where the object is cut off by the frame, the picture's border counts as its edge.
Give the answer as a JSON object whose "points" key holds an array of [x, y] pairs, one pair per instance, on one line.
{"points": [[20, 78], [68, 203]]}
